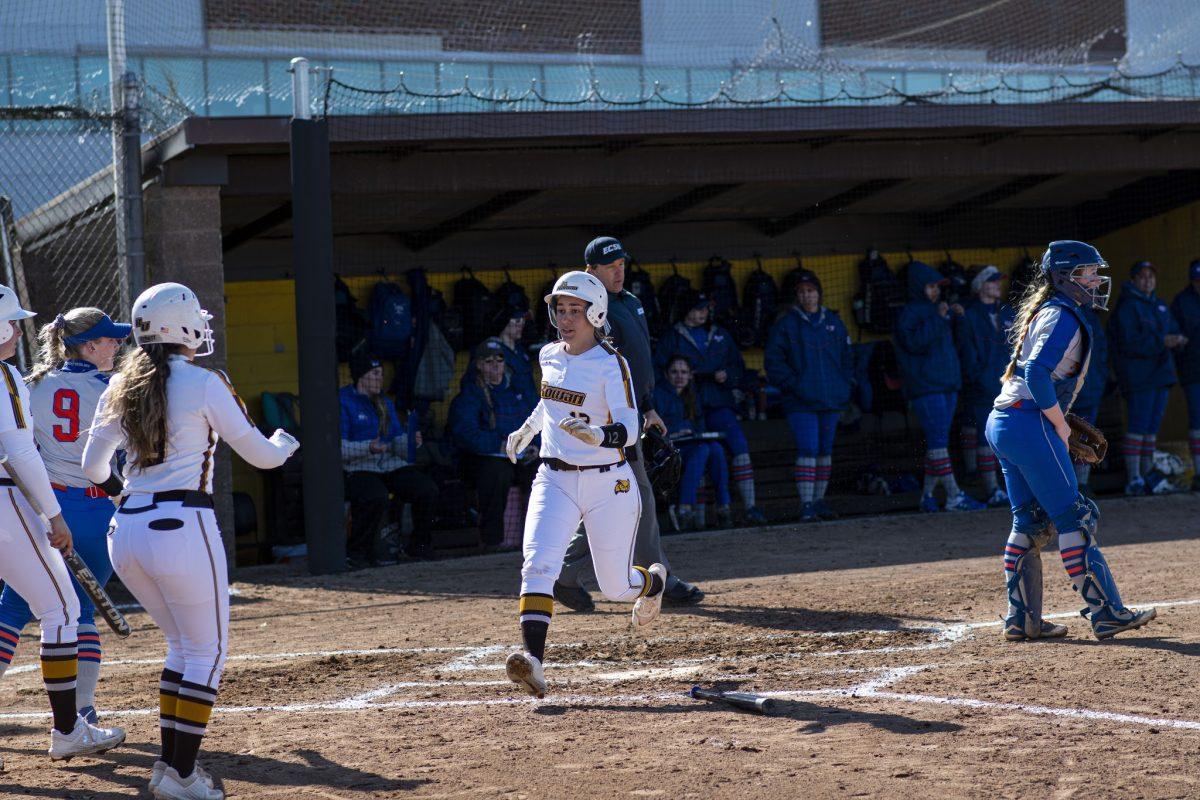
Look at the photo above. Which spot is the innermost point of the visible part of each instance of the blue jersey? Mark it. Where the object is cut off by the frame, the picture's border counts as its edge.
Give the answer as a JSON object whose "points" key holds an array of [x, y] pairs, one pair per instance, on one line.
{"points": [[482, 427], [1136, 332], [925, 349], [1053, 355], [984, 349], [808, 357], [710, 349], [1186, 309]]}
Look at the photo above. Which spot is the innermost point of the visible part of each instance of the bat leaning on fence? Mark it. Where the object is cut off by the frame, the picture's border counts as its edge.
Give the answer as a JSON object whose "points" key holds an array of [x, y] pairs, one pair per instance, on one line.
{"points": [[104, 604]]}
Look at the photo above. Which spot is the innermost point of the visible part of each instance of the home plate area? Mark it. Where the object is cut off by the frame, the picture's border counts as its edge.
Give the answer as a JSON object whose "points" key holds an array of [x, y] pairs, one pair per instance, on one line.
{"points": [[879, 642]]}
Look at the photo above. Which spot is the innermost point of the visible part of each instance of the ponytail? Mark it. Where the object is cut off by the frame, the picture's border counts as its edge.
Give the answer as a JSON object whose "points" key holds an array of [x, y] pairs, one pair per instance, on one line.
{"points": [[52, 347], [1036, 293], [138, 398]]}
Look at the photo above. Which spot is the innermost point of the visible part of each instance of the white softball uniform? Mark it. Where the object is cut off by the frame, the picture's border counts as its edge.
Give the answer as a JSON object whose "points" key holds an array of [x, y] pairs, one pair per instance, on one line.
{"points": [[28, 563], [165, 544], [593, 386], [63, 404]]}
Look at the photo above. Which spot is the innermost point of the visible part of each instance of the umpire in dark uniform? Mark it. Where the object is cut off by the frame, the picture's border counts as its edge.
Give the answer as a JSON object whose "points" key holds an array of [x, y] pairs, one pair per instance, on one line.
{"points": [[605, 258]]}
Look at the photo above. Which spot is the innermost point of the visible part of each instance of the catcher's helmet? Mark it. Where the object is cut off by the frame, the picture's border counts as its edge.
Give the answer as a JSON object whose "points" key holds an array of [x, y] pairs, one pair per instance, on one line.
{"points": [[1063, 262], [663, 463]]}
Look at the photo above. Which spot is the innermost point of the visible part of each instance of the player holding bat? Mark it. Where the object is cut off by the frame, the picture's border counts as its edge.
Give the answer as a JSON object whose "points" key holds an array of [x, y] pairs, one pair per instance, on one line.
{"points": [[30, 562], [76, 353], [1030, 431]]}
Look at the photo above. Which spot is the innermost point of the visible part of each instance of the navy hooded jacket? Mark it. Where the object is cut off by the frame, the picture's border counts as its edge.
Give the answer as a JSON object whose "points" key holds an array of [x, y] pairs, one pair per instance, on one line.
{"points": [[720, 352], [984, 349], [924, 342], [1186, 309], [471, 421], [1139, 355], [671, 408], [808, 357]]}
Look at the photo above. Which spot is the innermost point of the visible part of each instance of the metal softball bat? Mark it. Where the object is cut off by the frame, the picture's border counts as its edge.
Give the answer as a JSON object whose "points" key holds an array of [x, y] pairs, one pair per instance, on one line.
{"points": [[742, 700]]}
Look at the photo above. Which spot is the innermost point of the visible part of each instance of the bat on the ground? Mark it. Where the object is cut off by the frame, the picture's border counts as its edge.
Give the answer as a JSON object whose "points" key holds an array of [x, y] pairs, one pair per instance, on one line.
{"points": [[104, 604], [742, 700]]}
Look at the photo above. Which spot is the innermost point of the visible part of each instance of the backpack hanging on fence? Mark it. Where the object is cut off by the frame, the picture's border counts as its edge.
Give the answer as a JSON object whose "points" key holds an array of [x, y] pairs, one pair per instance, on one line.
{"points": [[760, 299], [511, 294], [351, 324], [639, 284], [478, 307], [670, 297], [718, 284], [391, 320], [958, 288], [1022, 274], [880, 296], [541, 315]]}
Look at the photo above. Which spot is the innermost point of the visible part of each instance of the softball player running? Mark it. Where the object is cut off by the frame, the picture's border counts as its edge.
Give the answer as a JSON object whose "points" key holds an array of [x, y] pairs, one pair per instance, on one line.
{"points": [[30, 564], [167, 413], [1028, 430], [587, 418], [76, 352]]}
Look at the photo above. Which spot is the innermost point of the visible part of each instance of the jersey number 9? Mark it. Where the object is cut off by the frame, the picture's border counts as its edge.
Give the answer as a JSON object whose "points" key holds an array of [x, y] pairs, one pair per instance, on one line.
{"points": [[66, 407]]}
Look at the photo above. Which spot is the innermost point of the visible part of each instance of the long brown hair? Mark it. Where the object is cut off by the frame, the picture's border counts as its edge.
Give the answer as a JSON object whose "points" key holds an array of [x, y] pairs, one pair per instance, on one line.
{"points": [[1036, 293], [138, 398], [691, 405], [52, 347]]}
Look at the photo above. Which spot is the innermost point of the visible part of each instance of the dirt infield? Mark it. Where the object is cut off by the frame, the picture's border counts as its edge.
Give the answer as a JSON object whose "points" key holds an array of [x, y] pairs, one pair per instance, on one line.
{"points": [[880, 640]]}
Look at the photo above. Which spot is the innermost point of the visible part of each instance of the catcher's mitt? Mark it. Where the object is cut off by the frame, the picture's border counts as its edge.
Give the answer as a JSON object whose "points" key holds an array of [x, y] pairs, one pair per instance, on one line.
{"points": [[1087, 444], [663, 463]]}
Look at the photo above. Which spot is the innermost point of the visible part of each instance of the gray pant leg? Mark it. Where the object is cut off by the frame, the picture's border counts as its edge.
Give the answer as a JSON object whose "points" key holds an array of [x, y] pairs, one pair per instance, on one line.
{"points": [[647, 546]]}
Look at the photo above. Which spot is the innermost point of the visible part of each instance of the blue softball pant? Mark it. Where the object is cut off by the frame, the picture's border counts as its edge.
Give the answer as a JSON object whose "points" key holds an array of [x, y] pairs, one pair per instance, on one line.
{"points": [[935, 412], [1191, 393], [1035, 462], [88, 519], [725, 421], [696, 458], [1146, 409], [813, 431]]}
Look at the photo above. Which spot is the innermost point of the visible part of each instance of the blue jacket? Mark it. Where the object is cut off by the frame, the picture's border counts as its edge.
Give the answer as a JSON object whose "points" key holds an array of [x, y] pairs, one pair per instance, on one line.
{"points": [[809, 359], [924, 342], [1097, 377], [720, 352], [1136, 330], [520, 366], [670, 407], [984, 349], [1186, 309], [360, 420], [479, 429]]}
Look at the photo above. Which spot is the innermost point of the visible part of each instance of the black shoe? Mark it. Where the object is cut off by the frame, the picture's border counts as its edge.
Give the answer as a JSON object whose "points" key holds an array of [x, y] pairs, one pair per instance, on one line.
{"points": [[575, 598], [682, 593]]}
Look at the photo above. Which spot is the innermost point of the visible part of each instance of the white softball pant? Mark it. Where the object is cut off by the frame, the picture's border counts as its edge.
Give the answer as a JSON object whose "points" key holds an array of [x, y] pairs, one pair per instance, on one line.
{"points": [[171, 558], [609, 505], [34, 569]]}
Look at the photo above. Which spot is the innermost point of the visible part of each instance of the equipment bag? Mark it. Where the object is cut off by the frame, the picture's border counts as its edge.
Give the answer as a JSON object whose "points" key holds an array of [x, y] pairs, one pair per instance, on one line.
{"points": [[670, 297], [639, 284], [391, 320], [760, 299], [478, 307], [880, 296], [718, 284], [351, 324], [511, 294]]}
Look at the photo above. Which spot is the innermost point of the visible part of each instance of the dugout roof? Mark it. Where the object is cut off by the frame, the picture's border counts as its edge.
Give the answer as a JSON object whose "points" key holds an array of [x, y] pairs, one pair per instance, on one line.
{"points": [[439, 190]]}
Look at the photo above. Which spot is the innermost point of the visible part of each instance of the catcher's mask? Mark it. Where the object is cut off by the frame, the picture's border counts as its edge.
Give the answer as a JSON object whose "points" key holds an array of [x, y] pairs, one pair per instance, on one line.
{"points": [[663, 463]]}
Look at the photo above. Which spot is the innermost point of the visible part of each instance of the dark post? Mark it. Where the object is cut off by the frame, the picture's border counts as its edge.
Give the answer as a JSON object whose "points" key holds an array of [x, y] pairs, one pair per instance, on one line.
{"points": [[324, 517]]}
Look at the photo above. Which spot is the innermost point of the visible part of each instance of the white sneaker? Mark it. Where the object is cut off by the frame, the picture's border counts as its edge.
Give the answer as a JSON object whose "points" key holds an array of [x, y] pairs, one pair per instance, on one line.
{"points": [[84, 739], [160, 768], [193, 787], [526, 671], [647, 608]]}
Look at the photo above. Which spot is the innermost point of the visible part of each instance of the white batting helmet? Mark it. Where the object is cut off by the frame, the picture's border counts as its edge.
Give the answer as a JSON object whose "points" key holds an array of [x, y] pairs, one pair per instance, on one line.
{"points": [[170, 313], [583, 286], [11, 311]]}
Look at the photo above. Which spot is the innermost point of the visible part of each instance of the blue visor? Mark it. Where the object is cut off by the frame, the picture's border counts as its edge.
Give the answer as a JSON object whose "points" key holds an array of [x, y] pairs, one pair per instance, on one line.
{"points": [[104, 329]]}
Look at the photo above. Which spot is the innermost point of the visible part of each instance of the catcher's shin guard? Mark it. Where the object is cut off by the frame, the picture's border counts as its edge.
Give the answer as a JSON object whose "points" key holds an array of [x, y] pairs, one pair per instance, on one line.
{"points": [[1023, 574]]}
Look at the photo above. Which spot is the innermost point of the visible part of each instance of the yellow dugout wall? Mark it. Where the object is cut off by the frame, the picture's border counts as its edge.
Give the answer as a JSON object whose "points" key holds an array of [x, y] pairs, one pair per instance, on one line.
{"points": [[262, 323]]}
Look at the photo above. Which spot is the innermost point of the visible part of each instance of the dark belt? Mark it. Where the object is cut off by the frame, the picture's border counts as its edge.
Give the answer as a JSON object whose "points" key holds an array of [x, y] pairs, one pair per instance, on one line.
{"points": [[558, 465], [187, 497], [7, 482]]}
